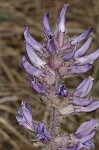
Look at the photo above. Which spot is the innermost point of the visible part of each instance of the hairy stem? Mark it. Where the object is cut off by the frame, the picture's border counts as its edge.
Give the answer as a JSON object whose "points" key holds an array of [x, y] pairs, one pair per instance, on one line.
{"points": [[53, 127]]}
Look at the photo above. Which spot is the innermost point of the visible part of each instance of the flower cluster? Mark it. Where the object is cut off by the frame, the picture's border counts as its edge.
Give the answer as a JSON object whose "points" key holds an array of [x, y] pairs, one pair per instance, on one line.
{"points": [[47, 65]]}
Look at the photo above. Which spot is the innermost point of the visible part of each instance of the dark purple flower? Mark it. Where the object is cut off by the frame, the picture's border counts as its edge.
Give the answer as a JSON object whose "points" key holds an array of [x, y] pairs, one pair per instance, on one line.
{"points": [[37, 86], [24, 116], [42, 134], [62, 91]]}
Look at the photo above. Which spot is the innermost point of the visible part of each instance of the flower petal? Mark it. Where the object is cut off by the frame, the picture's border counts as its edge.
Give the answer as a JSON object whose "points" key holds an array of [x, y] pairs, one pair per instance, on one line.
{"points": [[89, 145], [38, 87], [84, 87], [92, 107], [69, 55], [87, 127], [80, 52], [81, 68], [82, 101], [87, 137], [24, 116], [36, 45], [42, 133], [34, 58], [30, 69], [88, 59], [51, 46], [81, 37], [49, 32], [62, 20]]}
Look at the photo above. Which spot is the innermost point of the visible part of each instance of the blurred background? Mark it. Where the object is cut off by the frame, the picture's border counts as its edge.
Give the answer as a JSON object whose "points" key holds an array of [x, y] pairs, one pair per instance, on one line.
{"points": [[15, 15]]}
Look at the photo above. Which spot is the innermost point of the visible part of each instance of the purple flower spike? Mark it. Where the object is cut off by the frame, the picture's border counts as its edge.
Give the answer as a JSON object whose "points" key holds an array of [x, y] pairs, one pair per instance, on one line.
{"points": [[81, 37], [81, 68], [80, 52], [38, 87], [47, 27], [24, 116], [69, 55], [62, 91], [62, 20], [30, 69], [84, 87], [42, 134], [34, 58], [88, 59], [30, 40]]}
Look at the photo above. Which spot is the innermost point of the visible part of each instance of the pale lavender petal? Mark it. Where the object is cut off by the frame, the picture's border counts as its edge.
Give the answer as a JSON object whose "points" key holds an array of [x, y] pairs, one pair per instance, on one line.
{"points": [[69, 55], [80, 52], [84, 87], [81, 68], [36, 45], [24, 116], [38, 87], [81, 37], [87, 128], [82, 101], [49, 32], [62, 19], [92, 107], [87, 137], [51, 46], [88, 59], [31, 69], [34, 58]]}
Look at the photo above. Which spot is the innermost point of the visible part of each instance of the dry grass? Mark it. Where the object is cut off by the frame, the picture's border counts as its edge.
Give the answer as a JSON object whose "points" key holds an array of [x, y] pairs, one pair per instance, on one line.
{"points": [[14, 86]]}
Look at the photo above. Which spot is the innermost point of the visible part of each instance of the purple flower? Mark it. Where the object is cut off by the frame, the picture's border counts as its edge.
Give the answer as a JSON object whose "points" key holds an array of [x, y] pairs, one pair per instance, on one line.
{"points": [[47, 61], [38, 87], [77, 101], [32, 42], [82, 138], [62, 91], [86, 133], [30, 69], [42, 134], [24, 117]]}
